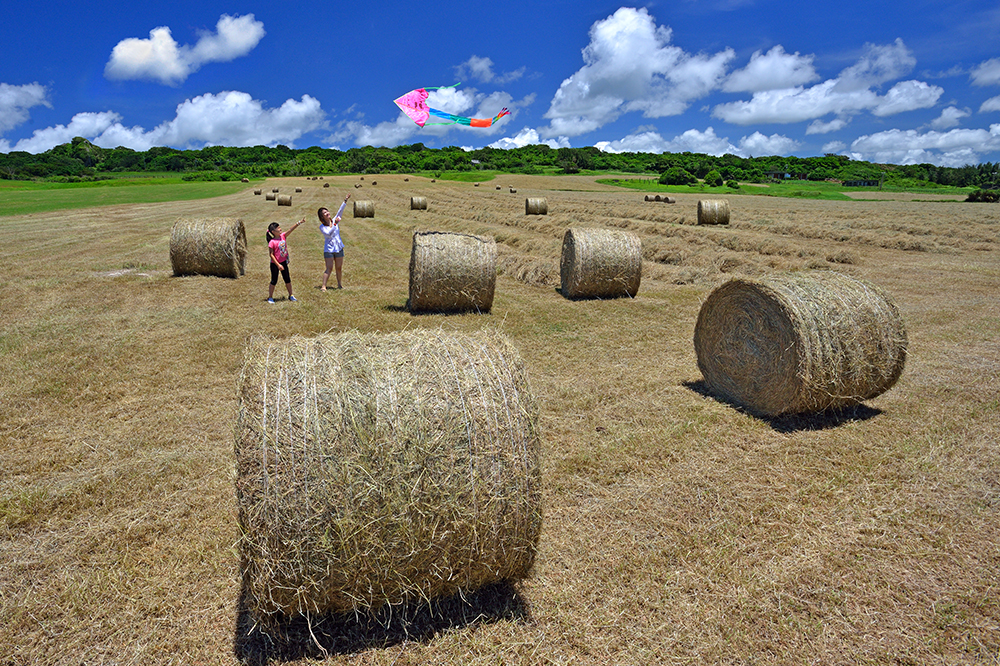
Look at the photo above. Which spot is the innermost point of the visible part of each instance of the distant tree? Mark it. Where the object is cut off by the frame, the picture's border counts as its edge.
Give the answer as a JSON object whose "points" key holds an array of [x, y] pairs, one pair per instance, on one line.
{"points": [[677, 176], [713, 179]]}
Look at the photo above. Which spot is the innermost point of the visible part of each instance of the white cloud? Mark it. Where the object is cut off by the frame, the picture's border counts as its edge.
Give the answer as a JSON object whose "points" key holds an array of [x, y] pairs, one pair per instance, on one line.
{"points": [[986, 73], [16, 101], [481, 69], [629, 65], [850, 93], [230, 118], [707, 142], [160, 58], [529, 137], [992, 104], [953, 148], [820, 127], [834, 147], [907, 96], [772, 71], [950, 117]]}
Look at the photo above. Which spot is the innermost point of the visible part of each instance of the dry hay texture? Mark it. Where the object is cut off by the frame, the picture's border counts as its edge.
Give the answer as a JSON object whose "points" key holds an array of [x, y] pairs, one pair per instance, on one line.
{"points": [[364, 208], [383, 468], [713, 211], [799, 343], [452, 272], [600, 263], [208, 246], [535, 205], [418, 203], [270, 196], [284, 199]]}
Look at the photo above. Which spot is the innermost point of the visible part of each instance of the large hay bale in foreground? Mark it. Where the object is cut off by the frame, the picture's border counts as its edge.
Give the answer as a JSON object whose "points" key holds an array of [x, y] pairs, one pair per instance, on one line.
{"points": [[418, 203], [452, 272], [364, 208], [383, 468], [535, 205], [600, 263], [800, 342], [284, 199], [713, 211], [208, 246]]}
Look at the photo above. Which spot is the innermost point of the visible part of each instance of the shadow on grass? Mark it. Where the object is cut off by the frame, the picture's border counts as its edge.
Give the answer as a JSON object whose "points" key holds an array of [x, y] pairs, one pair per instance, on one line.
{"points": [[795, 422], [422, 313], [294, 638]]}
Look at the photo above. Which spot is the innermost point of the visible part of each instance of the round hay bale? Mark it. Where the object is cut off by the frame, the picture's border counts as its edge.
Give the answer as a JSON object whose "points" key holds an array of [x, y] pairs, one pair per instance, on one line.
{"points": [[270, 196], [208, 246], [362, 178], [657, 198], [535, 205], [275, 190], [433, 180], [475, 185], [257, 191], [356, 185], [498, 187], [648, 197], [326, 184], [513, 191], [713, 211], [418, 203], [364, 208], [244, 180], [406, 180], [799, 343], [667, 199], [383, 468], [374, 183], [600, 263], [298, 189], [284, 199], [452, 272]]}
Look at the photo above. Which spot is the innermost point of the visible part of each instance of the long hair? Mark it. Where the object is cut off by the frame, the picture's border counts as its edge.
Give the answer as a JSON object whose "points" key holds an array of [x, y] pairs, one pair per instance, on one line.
{"points": [[319, 214], [270, 229]]}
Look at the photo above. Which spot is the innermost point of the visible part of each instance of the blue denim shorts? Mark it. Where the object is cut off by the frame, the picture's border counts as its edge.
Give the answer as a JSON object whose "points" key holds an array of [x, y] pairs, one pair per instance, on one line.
{"points": [[328, 255]]}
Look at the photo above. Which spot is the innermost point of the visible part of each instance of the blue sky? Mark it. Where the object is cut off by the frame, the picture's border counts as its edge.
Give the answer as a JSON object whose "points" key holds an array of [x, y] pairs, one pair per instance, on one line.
{"points": [[880, 81]]}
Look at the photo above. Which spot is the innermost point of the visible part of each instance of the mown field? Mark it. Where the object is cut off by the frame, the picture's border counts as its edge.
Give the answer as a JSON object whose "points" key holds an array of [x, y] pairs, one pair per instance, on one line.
{"points": [[678, 529]]}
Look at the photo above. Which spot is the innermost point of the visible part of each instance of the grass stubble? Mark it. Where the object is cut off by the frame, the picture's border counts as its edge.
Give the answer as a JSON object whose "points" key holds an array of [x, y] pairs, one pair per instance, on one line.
{"points": [[677, 529]]}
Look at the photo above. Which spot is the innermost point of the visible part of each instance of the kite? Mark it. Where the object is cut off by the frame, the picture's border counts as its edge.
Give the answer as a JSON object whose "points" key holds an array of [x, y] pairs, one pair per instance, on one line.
{"points": [[414, 104]]}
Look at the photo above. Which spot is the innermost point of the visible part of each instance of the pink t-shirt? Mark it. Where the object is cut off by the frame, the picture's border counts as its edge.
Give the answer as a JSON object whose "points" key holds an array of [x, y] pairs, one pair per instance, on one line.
{"points": [[278, 248]]}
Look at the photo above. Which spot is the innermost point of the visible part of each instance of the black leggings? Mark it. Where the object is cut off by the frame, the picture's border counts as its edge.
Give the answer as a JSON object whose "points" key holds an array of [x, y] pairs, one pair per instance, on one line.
{"points": [[285, 275]]}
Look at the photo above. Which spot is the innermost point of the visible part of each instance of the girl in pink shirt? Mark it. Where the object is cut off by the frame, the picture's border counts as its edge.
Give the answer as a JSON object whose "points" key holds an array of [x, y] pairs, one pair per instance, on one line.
{"points": [[277, 248]]}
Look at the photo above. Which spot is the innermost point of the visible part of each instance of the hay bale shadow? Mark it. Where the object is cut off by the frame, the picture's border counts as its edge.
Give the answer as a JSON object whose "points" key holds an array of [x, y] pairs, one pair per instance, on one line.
{"points": [[317, 637], [792, 423]]}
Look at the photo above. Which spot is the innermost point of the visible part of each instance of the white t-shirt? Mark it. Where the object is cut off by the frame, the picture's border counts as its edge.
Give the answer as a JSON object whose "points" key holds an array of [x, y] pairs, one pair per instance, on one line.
{"points": [[331, 234]]}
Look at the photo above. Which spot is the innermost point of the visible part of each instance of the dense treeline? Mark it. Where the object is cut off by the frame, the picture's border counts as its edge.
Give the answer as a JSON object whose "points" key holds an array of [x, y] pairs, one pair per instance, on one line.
{"points": [[81, 160]]}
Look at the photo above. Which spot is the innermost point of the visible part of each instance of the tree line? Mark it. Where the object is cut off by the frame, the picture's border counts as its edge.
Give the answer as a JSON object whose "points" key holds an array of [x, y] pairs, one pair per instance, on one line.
{"points": [[81, 160]]}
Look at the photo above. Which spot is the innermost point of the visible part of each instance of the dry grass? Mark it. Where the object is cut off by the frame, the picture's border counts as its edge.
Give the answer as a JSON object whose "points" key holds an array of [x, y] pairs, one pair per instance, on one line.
{"points": [[677, 529]]}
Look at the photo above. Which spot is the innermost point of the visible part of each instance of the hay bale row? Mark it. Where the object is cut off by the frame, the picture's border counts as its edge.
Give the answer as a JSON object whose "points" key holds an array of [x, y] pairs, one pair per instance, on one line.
{"points": [[364, 208], [383, 468], [208, 246], [418, 203], [799, 343], [713, 211], [284, 199], [600, 263], [270, 196], [452, 272], [660, 198], [535, 206]]}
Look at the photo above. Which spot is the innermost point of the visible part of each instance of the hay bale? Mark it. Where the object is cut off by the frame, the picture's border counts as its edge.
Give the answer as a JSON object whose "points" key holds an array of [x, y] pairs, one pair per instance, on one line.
{"points": [[535, 205], [326, 184], [452, 272], [600, 263], [406, 180], [270, 196], [800, 342], [657, 198], [475, 185], [418, 203], [648, 197], [356, 185], [364, 208], [257, 191], [298, 189], [513, 191], [374, 183], [498, 187], [275, 190], [666, 199], [208, 246], [383, 468], [713, 211], [244, 180], [284, 199]]}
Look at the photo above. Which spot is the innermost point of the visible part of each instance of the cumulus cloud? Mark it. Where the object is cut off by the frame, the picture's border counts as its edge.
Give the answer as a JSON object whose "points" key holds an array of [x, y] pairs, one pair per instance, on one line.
{"points": [[630, 65], [992, 104], [772, 71], [695, 141], [230, 118], [834, 147], [17, 101], [529, 137], [162, 59], [820, 127], [851, 92], [481, 69], [950, 117], [953, 148], [986, 73]]}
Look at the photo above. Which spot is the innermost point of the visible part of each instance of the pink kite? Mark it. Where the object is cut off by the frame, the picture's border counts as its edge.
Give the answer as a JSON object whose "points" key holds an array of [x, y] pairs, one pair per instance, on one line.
{"points": [[414, 104]]}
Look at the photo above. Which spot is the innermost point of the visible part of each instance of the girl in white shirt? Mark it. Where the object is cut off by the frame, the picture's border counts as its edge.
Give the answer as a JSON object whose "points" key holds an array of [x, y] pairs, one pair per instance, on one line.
{"points": [[333, 246]]}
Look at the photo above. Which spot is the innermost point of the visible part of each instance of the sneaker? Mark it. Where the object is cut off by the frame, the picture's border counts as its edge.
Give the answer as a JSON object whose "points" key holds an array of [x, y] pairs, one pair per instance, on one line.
{"points": [[271, 301], [292, 299]]}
